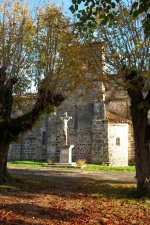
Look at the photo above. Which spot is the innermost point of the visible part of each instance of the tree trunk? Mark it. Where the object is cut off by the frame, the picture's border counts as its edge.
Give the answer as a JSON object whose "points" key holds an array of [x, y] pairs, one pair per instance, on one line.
{"points": [[5, 165], [3, 161], [139, 112], [142, 151], [10, 127]]}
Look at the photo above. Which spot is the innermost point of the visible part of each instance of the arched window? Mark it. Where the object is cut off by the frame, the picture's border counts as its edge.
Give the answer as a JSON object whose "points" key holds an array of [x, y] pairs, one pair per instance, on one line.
{"points": [[148, 117], [75, 118], [44, 137], [118, 141]]}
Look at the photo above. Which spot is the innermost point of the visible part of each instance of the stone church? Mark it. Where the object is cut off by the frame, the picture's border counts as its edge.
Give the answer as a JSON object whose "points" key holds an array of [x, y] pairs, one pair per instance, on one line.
{"points": [[100, 130]]}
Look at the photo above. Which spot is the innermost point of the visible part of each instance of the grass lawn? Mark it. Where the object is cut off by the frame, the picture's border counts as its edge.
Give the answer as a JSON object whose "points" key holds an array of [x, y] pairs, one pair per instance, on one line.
{"points": [[92, 167], [89, 167], [26, 164], [31, 200]]}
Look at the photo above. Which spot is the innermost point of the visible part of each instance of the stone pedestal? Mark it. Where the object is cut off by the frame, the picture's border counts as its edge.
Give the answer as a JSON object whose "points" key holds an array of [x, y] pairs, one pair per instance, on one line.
{"points": [[66, 153]]}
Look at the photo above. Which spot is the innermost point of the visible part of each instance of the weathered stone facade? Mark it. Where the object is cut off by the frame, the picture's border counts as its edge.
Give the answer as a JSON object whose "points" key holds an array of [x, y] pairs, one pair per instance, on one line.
{"points": [[30, 145], [118, 144], [100, 152], [100, 132]]}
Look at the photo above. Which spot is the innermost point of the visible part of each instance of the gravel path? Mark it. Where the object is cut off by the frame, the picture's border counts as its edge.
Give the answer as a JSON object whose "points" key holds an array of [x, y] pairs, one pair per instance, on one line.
{"points": [[77, 175]]}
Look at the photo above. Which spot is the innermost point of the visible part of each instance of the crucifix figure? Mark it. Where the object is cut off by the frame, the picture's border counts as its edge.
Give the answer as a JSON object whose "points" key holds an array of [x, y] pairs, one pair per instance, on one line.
{"points": [[65, 119]]}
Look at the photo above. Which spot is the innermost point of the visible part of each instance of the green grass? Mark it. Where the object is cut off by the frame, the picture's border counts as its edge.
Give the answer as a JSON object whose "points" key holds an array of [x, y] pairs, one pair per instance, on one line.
{"points": [[26, 163], [89, 167], [92, 167]]}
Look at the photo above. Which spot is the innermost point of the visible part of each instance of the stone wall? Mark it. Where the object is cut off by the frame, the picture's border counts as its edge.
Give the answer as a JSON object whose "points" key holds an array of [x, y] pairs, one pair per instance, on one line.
{"points": [[91, 135], [31, 145], [119, 106], [79, 130], [51, 139], [43, 142], [118, 144], [100, 153], [131, 145]]}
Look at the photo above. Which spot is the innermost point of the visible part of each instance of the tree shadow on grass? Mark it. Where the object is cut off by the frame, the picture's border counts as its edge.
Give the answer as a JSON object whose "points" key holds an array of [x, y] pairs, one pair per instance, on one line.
{"points": [[60, 191], [4, 221], [70, 185], [114, 190]]}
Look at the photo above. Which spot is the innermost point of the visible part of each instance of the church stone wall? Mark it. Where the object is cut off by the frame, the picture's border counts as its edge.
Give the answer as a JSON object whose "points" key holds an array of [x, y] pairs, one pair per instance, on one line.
{"points": [[118, 144], [119, 106], [131, 145], [51, 139], [100, 142], [79, 129], [31, 145], [14, 151], [43, 142], [91, 135]]}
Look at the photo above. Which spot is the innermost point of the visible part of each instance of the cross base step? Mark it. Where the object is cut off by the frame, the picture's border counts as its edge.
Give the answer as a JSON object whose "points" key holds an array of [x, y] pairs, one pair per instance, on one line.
{"points": [[63, 165]]}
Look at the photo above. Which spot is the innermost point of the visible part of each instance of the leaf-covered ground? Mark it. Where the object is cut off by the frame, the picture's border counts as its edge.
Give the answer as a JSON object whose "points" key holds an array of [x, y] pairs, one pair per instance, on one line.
{"points": [[41, 200]]}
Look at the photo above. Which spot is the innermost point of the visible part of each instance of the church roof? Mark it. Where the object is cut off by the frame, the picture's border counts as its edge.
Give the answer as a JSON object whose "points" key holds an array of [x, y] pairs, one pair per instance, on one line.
{"points": [[112, 117]]}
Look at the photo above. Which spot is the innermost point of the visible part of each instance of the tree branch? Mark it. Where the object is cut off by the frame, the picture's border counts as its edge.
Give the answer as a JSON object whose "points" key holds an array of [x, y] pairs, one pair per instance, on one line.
{"points": [[44, 102], [148, 97]]}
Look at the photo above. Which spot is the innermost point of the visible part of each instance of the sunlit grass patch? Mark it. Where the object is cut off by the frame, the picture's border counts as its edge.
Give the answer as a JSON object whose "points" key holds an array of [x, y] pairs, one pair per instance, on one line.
{"points": [[89, 167], [28, 184], [27, 163], [93, 167], [8, 187], [120, 192]]}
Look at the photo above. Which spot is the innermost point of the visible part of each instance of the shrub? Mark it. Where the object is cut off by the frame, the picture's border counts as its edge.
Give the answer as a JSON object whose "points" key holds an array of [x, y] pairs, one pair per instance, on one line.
{"points": [[50, 162], [80, 162]]}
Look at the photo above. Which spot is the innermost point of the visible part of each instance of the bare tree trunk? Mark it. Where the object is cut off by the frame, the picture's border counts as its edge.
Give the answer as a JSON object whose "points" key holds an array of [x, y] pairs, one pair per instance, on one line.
{"points": [[10, 128], [139, 112], [5, 165], [1, 166], [142, 151], [3, 162]]}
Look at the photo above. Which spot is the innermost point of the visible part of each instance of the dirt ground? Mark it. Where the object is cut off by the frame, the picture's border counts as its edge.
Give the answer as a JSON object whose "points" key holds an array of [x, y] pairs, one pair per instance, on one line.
{"points": [[75, 175], [48, 197]]}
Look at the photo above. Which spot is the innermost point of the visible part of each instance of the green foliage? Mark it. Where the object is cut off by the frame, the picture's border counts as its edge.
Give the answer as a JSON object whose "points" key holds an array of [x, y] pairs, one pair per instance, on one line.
{"points": [[139, 7], [107, 9], [86, 17]]}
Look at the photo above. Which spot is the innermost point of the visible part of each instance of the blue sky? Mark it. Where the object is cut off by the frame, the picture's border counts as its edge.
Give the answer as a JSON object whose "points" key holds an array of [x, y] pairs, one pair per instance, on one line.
{"points": [[66, 4]]}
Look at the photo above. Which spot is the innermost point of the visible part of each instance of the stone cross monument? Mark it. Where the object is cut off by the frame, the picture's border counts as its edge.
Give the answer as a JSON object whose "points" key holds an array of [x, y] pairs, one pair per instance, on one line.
{"points": [[66, 149], [65, 120]]}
